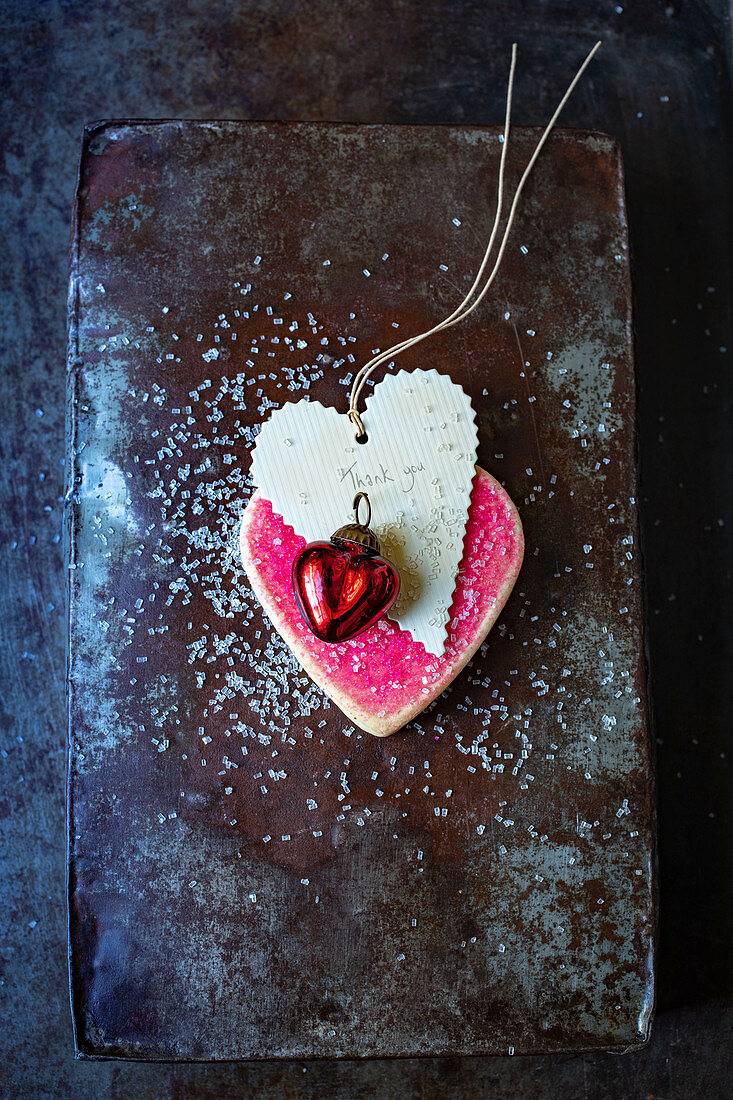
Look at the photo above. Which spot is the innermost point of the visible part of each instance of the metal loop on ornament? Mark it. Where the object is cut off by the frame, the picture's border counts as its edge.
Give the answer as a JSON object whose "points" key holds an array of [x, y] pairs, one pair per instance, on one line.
{"points": [[357, 501]]}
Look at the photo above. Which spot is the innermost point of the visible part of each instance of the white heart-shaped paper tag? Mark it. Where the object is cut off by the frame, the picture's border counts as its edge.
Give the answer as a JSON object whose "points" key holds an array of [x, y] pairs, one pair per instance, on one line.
{"points": [[417, 468]]}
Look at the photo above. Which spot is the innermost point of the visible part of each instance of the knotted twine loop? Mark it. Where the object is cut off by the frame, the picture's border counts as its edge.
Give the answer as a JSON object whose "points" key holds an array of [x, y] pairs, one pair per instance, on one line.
{"points": [[358, 424], [462, 311]]}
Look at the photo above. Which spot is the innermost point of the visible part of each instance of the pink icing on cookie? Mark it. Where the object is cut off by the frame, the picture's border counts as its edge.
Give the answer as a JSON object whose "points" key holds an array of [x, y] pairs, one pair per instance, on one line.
{"points": [[384, 678]]}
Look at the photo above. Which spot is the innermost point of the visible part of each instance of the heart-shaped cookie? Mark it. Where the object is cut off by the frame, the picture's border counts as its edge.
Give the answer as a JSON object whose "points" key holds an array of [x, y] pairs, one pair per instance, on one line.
{"points": [[416, 467], [383, 678]]}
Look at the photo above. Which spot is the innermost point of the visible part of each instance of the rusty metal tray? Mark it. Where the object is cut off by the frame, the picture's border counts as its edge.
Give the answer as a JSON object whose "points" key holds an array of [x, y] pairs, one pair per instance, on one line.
{"points": [[249, 875]]}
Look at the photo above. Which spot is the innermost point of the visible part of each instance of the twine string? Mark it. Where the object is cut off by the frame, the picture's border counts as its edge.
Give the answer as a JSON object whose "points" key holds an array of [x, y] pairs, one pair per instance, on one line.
{"points": [[467, 306]]}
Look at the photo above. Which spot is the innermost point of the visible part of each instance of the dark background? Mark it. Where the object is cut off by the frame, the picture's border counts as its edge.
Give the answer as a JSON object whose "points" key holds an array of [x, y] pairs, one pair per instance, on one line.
{"points": [[661, 86]]}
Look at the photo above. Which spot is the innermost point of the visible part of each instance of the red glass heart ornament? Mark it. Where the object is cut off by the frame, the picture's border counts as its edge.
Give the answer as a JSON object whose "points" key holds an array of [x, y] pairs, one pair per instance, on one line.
{"points": [[342, 591], [343, 587]]}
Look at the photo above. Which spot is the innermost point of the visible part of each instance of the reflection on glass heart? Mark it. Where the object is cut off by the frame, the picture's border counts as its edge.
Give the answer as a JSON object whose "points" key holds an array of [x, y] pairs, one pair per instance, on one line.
{"points": [[342, 590]]}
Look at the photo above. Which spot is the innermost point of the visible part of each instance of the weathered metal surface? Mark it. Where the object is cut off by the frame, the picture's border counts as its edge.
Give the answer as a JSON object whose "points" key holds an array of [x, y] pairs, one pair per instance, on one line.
{"points": [[662, 87], [251, 876]]}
